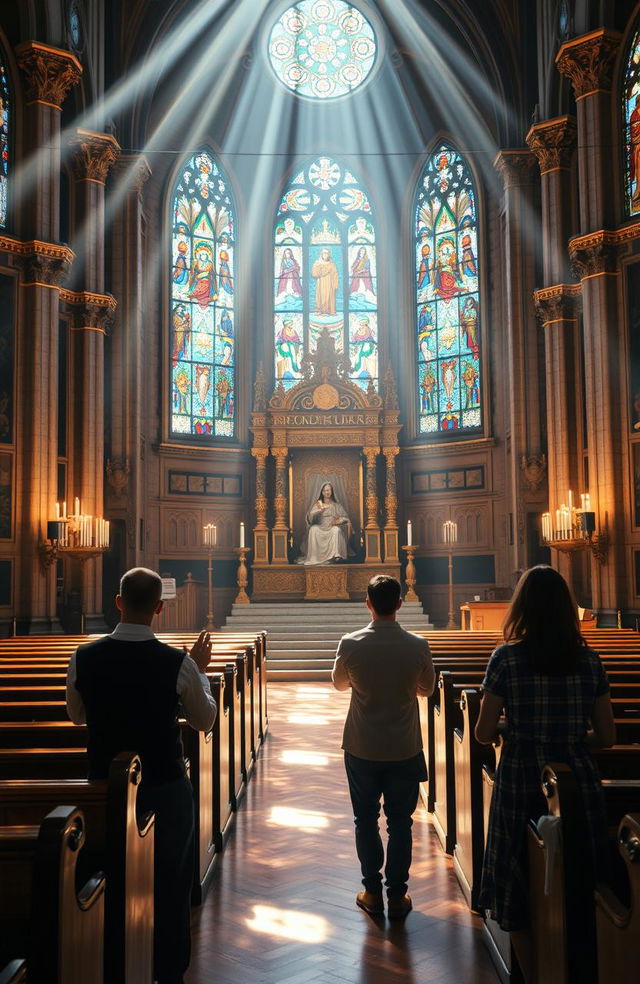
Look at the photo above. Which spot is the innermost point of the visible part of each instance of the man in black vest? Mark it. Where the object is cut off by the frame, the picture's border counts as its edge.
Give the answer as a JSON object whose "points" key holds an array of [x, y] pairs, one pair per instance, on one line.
{"points": [[129, 689]]}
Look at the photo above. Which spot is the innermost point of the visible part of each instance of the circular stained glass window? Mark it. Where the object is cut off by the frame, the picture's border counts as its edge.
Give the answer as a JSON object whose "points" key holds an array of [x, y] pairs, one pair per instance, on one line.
{"points": [[322, 49]]}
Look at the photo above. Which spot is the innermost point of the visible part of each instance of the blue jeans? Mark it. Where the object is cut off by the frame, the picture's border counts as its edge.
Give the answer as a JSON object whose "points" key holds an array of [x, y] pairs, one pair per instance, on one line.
{"points": [[397, 783]]}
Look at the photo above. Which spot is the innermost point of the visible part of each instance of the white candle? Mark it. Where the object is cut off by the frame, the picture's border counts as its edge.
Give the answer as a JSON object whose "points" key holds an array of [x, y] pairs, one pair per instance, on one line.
{"points": [[76, 506], [409, 534], [215, 535], [106, 533], [57, 510], [242, 534], [570, 501], [64, 509]]}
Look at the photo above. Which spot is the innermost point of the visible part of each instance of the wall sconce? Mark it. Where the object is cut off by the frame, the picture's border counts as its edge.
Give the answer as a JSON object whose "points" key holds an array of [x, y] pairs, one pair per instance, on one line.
{"points": [[574, 529]]}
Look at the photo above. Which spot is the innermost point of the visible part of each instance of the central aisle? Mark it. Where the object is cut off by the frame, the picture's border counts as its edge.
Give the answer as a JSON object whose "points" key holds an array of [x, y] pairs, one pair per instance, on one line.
{"points": [[282, 910]]}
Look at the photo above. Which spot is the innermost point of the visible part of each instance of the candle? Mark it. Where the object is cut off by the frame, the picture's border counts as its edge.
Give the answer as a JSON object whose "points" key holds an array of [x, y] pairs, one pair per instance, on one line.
{"points": [[409, 534], [215, 535], [242, 534], [76, 506], [57, 510], [64, 509], [570, 501]]}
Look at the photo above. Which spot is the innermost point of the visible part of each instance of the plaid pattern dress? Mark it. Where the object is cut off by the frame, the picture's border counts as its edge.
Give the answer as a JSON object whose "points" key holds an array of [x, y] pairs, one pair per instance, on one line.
{"points": [[546, 721]]}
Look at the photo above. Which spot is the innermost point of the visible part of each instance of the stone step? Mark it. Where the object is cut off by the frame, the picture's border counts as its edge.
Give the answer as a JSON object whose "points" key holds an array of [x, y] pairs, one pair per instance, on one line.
{"points": [[293, 675], [275, 621], [314, 606], [299, 652]]}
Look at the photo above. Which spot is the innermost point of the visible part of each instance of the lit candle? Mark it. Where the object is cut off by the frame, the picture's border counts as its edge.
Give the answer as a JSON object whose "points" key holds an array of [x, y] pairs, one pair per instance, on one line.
{"points": [[409, 534], [242, 534], [57, 510], [76, 506], [64, 510], [215, 535], [588, 501]]}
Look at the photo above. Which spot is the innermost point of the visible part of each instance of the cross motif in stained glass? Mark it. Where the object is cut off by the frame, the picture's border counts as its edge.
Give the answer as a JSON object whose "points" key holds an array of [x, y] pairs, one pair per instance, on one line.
{"points": [[322, 49], [631, 116], [325, 272], [203, 287], [447, 296]]}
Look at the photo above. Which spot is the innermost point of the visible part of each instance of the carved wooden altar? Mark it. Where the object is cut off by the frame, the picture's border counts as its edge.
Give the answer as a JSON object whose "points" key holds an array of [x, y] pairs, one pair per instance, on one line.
{"points": [[324, 424]]}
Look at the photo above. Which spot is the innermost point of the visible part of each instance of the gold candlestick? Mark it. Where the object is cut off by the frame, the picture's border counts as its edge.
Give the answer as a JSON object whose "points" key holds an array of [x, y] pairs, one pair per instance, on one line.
{"points": [[242, 597], [410, 574]]}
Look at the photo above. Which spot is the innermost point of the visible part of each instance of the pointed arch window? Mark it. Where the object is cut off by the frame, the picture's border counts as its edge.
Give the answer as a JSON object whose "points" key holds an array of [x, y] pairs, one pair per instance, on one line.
{"points": [[631, 116], [5, 138], [325, 272], [447, 296], [203, 312]]}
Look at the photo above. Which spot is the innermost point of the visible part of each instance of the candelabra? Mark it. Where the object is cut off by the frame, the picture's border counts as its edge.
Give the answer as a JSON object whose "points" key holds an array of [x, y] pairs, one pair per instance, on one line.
{"points": [[242, 597], [574, 529], [209, 537], [77, 534], [410, 573], [450, 536]]}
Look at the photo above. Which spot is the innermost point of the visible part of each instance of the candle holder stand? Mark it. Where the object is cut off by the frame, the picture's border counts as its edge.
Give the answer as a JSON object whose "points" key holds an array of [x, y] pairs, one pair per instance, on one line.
{"points": [[451, 621], [242, 597], [211, 625], [410, 573]]}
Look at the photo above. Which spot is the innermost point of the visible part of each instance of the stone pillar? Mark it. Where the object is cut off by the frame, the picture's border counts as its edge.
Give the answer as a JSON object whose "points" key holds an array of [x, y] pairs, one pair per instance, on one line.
{"points": [[391, 503], [261, 530], [372, 530], [125, 475], [48, 75], [553, 143], [280, 532], [588, 61], [517, 168], [93, 156]]}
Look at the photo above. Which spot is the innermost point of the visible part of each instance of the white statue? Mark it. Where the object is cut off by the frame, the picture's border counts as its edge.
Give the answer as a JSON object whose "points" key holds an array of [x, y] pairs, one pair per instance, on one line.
{"points": [[327, 530]]}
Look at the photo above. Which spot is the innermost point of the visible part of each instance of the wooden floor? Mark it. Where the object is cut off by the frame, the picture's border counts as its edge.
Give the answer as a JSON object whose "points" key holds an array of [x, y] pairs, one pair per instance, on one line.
{"points": [[281, 909]]}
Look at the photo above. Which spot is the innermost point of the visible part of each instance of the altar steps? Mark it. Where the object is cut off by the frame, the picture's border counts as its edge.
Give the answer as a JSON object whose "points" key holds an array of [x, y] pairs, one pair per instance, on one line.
{"points": [[302, 637]]}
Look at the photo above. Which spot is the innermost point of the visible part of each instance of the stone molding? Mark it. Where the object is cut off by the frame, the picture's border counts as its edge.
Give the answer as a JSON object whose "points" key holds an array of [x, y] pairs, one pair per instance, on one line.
{"points": [[553, 142], [49, 73], [515, 167], [94, 154], [594, 254], [588, 61], [561, 302], [43, 263], [89, 311]]}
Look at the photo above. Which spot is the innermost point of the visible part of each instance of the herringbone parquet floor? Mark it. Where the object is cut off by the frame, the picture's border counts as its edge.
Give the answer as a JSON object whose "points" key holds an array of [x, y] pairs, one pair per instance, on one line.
{"points": [[281, 909]]}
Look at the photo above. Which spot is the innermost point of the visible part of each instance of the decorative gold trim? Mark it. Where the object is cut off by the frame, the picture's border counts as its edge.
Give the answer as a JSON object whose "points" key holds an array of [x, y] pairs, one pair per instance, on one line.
{"points": [[38, 283], [19, 247]]}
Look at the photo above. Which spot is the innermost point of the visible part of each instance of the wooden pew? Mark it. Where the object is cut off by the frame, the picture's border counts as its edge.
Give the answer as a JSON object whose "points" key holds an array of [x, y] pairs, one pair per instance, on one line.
{"points": [[618, 924], [469, 757], [117, 842], [14, 973], [42, 915]]}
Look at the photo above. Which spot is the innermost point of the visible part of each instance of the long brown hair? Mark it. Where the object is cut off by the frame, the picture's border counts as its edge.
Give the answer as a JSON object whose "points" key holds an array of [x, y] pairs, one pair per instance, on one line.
{"points": [[543, 615]]}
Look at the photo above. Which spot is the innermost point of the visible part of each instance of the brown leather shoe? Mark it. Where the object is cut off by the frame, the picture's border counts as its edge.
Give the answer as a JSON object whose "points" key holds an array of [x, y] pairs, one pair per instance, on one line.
{"points": [[371, 902], [400, 907]]}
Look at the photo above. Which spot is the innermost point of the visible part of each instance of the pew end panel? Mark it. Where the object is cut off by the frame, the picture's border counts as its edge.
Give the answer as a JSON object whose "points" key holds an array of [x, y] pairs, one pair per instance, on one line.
{"points": [[618, 925], [469, 757]]}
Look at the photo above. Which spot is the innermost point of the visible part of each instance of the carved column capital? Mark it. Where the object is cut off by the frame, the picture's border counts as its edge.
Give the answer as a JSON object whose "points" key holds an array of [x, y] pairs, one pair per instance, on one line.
{"points": [[46, 264], [371, 455], [588, 61], [553, 142], [280, 454], [595, 254], [260, 454], [89, 311], [94, 154], [132, 170], [49, 73], [515, 167], [561, 302]]}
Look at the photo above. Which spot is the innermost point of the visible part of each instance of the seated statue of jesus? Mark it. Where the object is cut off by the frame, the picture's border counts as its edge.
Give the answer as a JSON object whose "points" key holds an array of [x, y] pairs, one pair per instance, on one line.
{"points": [[328, 524]]}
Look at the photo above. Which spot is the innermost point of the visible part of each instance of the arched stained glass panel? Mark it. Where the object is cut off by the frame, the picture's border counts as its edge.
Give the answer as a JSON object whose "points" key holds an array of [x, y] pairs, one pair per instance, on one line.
{"points": [[5, 116], [631, 114], [202, 302], [322, 49], [325, 271], [448, 299]]}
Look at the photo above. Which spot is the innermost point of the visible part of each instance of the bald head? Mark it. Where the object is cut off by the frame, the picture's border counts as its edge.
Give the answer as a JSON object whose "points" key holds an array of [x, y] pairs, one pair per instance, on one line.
{"points": [[140, 594]]}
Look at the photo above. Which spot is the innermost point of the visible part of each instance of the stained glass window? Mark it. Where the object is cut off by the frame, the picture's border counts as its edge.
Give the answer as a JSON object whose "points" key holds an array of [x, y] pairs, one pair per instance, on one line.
{"points": [[447, 293], [202, 302], [322, 48], [5, 112], [631, 113], [325, 271]]}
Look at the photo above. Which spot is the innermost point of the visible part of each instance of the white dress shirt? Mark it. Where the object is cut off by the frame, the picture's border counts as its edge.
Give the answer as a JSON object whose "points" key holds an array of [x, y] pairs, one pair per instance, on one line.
{"points": [[192, 687]]}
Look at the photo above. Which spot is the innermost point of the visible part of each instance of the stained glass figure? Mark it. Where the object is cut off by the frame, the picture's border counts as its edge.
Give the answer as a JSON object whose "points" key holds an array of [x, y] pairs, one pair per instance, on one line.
{"points": [[325, 272], [631, 114], [202, 302], [5, 114], [448, 296], [322, 49]]}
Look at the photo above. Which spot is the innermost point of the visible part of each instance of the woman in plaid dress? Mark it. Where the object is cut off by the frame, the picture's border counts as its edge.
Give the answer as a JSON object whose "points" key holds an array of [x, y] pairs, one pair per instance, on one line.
{"points": [[551, 687]]}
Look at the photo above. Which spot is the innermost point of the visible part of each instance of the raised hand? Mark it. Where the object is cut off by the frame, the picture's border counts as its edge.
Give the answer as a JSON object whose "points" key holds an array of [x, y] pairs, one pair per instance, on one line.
{"points": [[201, 650]]}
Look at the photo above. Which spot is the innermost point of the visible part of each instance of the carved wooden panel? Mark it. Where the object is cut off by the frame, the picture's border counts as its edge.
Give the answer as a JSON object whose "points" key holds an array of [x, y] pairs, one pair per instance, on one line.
{"points": [[324, 583]]}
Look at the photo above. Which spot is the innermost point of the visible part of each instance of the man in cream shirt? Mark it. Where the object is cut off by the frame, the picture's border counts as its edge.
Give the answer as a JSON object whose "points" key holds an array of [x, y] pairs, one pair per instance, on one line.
{"points": [[386, 668]]}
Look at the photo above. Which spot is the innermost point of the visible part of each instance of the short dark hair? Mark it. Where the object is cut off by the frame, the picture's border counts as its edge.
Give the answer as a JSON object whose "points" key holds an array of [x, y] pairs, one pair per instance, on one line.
{"points": [[383, 592], [140, 590]]}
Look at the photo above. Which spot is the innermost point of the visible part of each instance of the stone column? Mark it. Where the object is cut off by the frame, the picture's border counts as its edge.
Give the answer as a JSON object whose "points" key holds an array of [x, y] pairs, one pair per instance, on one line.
{"points": [[372, 530], [553, 143], [48, 75], [93, 156], [391, 503], [280, 533], [125, 475], [261, 530], [517, 168], [588, 61]]}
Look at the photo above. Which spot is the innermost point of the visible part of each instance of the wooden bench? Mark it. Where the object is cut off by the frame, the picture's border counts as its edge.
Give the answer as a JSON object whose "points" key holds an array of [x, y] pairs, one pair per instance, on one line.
{"points": [[43, 917], [617, 923]]}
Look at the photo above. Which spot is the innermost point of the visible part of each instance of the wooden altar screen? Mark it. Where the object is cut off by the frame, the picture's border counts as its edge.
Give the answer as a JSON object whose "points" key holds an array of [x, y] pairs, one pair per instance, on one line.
{"points": [[324, 424]]}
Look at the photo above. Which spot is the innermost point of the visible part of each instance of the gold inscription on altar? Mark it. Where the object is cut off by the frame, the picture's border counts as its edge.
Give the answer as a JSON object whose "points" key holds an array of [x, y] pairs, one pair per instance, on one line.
{"points": [[321, 419]]}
